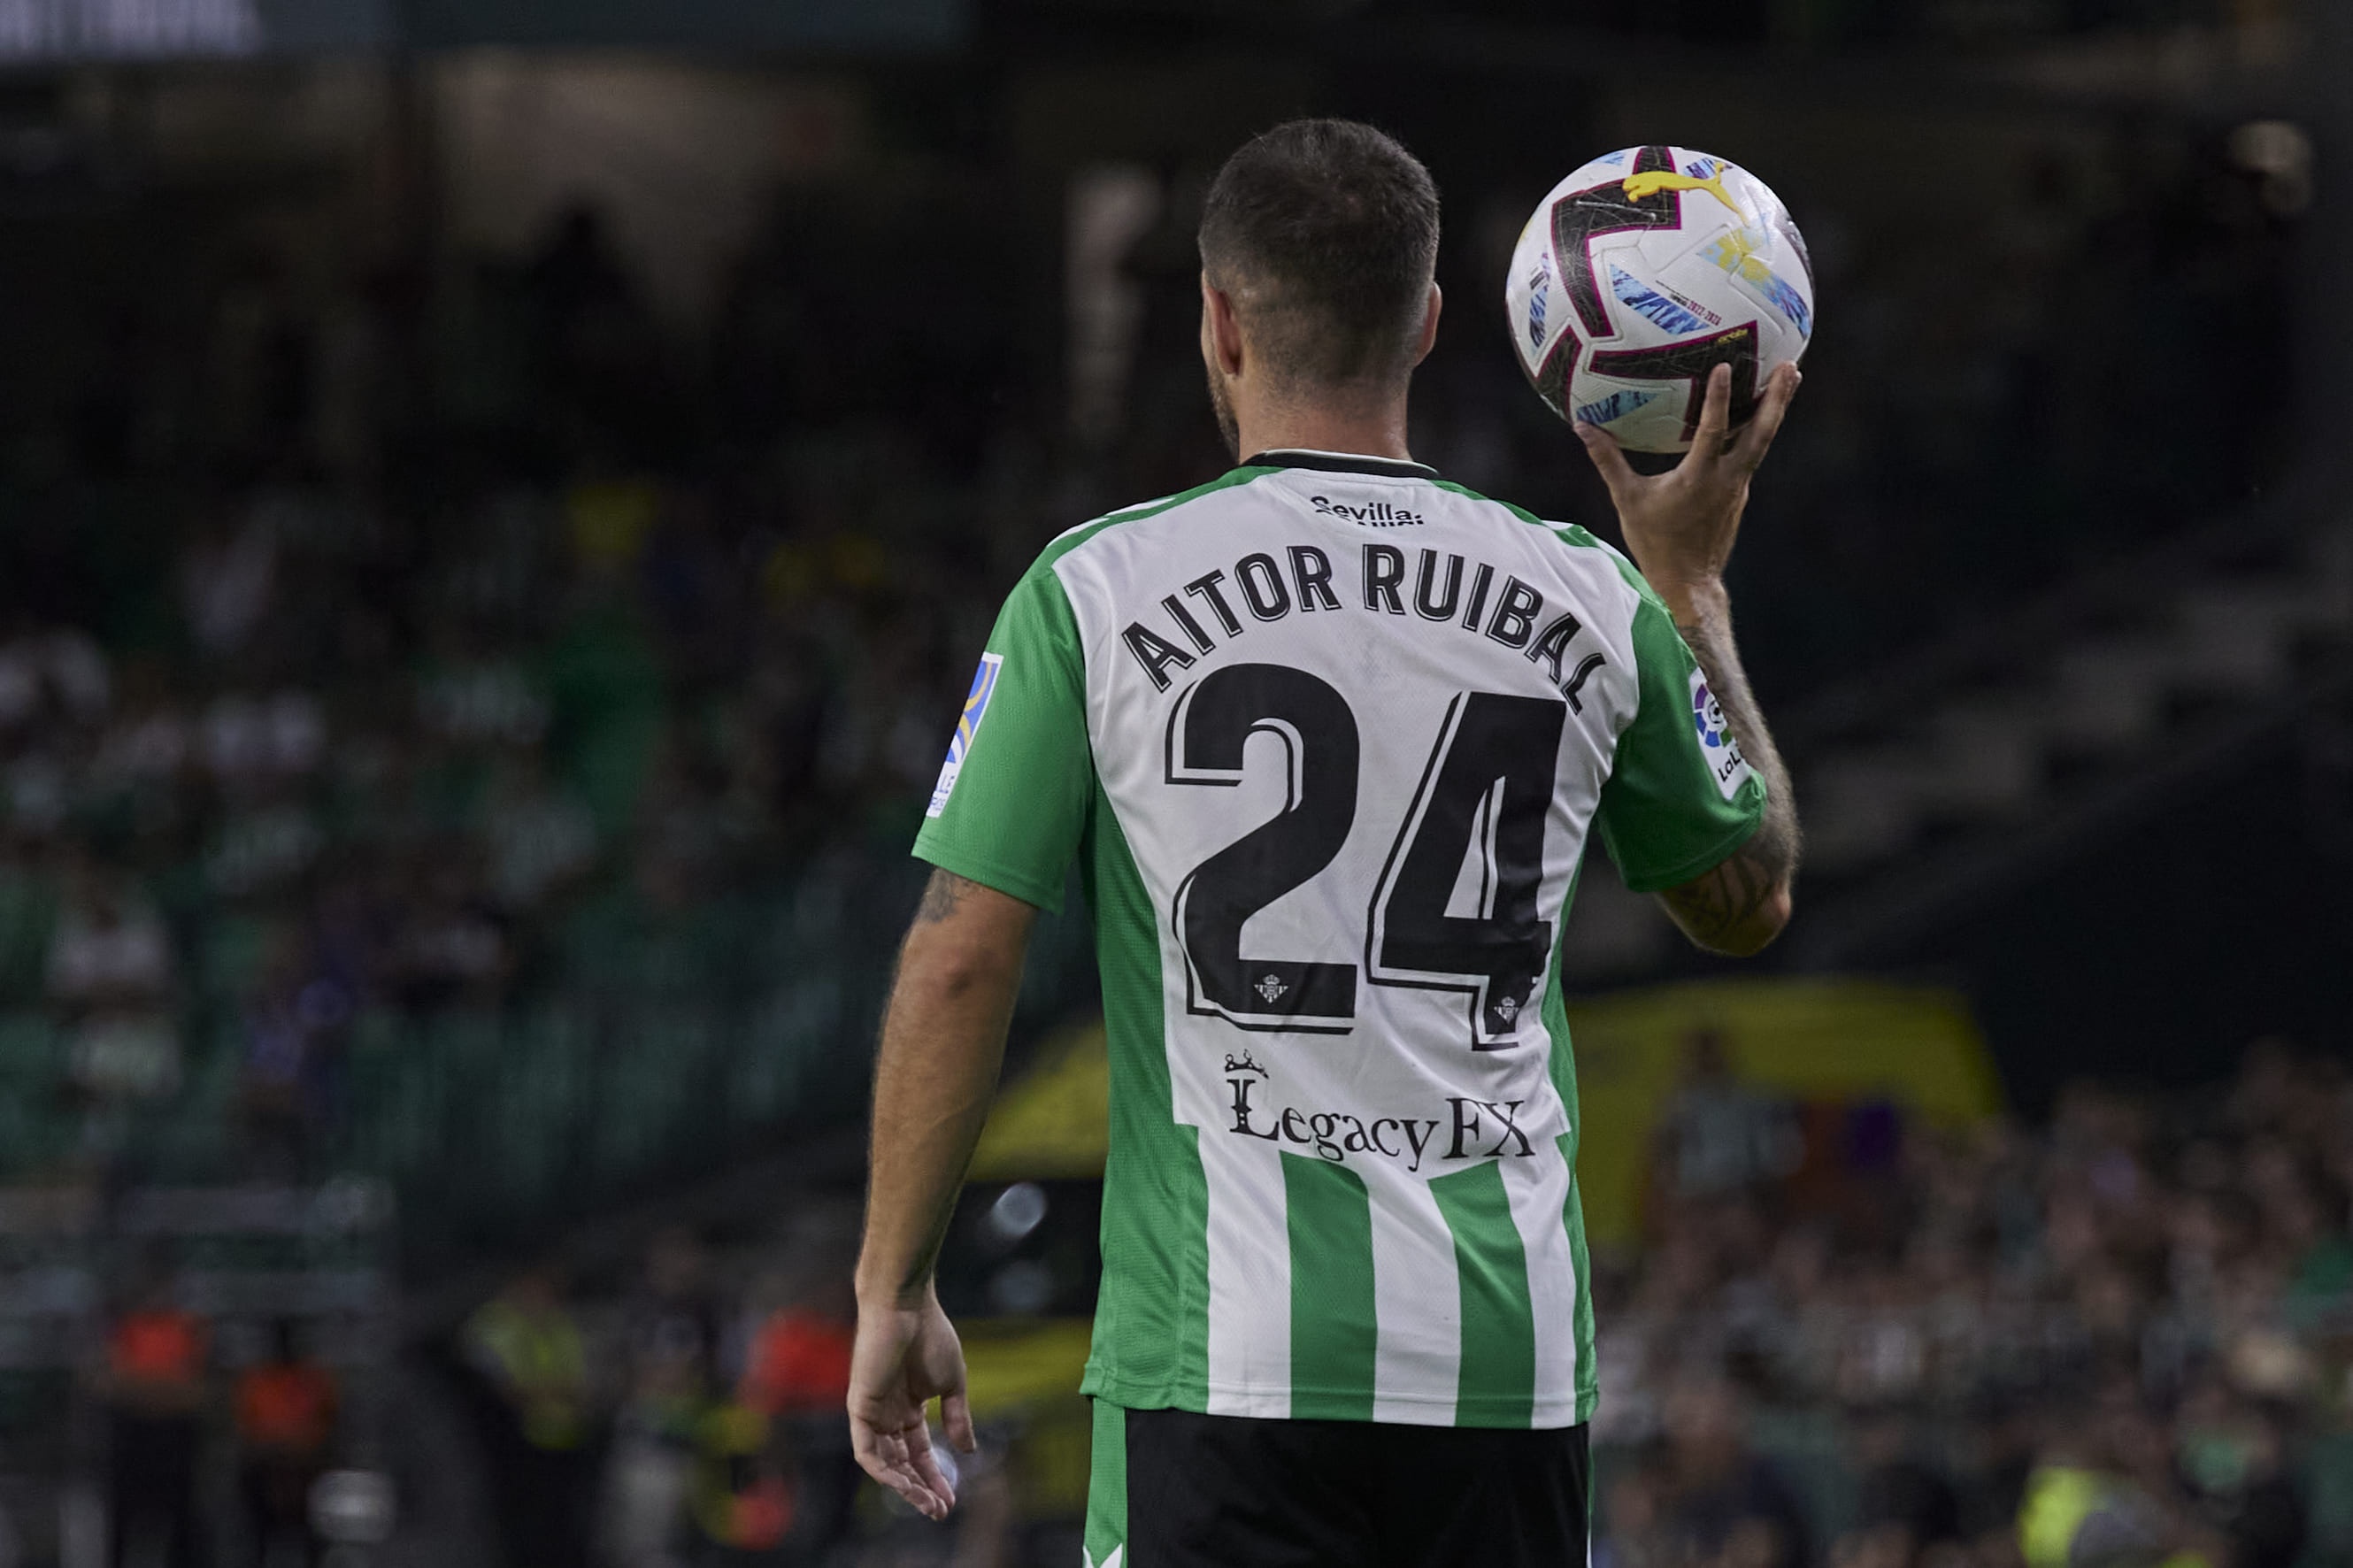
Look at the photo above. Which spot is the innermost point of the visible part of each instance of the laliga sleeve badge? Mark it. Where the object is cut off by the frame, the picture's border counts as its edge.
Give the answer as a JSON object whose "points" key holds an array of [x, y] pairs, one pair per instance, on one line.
{"points": [[1717, 744], [976, 709]]}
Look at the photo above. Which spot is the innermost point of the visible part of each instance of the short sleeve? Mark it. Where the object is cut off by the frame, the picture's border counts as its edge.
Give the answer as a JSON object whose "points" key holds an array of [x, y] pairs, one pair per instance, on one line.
{"points": [[1012, 798], [1680, 796]]}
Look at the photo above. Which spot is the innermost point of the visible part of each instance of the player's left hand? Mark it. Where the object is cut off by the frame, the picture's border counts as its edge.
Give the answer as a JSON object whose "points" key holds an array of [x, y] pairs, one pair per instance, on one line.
{"points": [[1680, 525], [904, 1358]]}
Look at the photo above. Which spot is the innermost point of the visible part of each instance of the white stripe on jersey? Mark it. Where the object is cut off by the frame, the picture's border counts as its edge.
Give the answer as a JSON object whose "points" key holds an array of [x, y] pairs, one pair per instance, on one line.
{"points": [[1418, 1302], [1250, 1279]]}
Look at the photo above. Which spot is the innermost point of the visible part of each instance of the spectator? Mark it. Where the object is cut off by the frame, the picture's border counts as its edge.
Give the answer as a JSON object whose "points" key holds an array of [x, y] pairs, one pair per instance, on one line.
{"points": [[1907, 1513], [1725, 1504], [2095, 1501], [1719, 1137], [154, 1385], [798, 1362], [528, 1348], [746, 1504], [2233, 1467], [228, 578], [294, 1030], [110, 953], [796, 1375], [674, 1330], [286, 1414], [544, 839], [110, 974]]}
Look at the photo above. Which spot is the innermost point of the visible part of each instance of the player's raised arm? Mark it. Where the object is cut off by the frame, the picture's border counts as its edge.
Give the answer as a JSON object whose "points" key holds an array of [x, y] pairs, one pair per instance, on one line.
{"points": [[1680, 527]]}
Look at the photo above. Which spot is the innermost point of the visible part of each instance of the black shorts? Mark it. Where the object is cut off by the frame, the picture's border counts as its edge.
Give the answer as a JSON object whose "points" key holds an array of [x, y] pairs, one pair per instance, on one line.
{"points": [[1174, 1490]]}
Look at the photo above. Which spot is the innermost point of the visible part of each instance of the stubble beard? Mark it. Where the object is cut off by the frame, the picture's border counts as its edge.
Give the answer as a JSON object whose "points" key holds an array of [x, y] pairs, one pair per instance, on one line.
{"points": [[1223, 406]]}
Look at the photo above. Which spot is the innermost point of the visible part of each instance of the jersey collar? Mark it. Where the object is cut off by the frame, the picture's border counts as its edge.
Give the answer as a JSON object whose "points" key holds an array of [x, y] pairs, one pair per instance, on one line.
{"points": [[1339, 463]]}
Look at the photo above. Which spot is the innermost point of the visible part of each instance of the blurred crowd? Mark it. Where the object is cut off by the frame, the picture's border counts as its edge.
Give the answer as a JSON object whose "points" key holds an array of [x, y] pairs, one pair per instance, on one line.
{"points": [[2125, 1338], [535, 710], [398, 633], [163, 1381], [2119, 1339], [690, 1416], [394, 636]]}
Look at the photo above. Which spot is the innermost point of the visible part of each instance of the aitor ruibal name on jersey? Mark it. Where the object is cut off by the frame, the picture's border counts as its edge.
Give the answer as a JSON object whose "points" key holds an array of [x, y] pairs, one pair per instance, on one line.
{"points": [[1260, 583], [1327, 740]]}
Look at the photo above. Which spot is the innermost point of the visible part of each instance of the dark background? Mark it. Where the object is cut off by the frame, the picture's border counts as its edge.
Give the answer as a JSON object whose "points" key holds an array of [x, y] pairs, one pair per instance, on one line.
{"points": [[498, 504]]}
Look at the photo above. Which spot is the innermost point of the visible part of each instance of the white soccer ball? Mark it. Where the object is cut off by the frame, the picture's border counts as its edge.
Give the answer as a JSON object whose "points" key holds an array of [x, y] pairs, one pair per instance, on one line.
{"points": [[1642, 271]]}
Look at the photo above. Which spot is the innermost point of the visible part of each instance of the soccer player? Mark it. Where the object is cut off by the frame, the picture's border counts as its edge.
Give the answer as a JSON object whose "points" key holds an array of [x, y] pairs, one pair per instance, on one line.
{"points": [[1327, 739]]}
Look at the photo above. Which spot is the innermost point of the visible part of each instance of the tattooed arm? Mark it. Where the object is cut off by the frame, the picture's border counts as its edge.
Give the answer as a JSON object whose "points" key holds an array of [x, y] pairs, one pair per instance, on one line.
{"points": [[942, 1043], [1740, 906], [1679, 526]]}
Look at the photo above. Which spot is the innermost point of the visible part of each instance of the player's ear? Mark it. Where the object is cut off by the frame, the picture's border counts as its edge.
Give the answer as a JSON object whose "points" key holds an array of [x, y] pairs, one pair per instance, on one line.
{"points": [[1221, 331], [1430, 323]]}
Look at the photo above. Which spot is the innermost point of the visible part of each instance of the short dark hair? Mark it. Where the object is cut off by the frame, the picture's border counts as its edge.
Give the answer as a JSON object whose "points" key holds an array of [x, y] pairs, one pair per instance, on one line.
{"points": [[1324, 233]]}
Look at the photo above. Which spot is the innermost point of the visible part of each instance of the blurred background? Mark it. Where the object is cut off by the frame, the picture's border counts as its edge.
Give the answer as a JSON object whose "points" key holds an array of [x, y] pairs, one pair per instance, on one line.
{"points": [[497, 506]]}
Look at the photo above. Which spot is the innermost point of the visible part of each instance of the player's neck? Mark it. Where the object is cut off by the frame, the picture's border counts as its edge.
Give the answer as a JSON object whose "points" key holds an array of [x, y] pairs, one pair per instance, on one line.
{"points": [[1372, 430]]}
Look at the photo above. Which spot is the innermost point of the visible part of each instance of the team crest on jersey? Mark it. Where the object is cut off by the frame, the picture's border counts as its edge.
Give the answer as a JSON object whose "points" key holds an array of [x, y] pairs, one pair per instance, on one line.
{"points": [[976, 709], [1718, 744], [1271, 987]]}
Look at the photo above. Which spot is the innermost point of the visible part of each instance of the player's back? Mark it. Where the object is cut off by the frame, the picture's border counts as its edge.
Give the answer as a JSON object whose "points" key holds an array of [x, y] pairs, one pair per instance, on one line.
{"points": [[1344, 730]]}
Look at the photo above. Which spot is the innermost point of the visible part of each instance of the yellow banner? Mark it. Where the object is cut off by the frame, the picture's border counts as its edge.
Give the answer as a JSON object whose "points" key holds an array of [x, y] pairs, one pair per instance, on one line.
{"points": [[1839, 1040]]}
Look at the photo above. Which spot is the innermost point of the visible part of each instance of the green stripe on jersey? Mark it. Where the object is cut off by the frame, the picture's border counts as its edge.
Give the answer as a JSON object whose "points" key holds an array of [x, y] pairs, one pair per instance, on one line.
{"points": [[1563, 1067], [1332, 1316], [1106, 1527], [1498, 1379]]}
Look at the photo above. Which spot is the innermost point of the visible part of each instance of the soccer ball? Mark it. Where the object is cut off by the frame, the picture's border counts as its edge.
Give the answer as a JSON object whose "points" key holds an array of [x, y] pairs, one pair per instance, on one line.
{"points": [[1641, 272]]}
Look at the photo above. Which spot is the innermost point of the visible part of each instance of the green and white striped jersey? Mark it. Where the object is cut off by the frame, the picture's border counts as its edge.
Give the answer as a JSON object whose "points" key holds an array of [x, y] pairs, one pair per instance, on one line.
{"points": [[1327, 738]]}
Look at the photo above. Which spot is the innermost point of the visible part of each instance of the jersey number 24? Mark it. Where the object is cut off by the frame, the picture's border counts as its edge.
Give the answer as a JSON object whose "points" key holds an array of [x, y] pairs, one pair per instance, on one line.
{"points": [[1478, 813]]}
